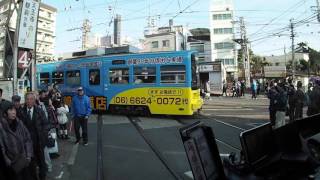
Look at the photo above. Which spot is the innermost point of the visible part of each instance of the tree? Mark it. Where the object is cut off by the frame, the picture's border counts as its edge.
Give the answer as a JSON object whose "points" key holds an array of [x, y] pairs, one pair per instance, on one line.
{"points": [[303, 65], [314, 57]]}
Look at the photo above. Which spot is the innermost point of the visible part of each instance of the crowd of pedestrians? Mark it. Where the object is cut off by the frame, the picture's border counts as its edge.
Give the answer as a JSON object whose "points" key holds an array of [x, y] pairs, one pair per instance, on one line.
{"points": [[27, 131], [238, 88], [286, 99]]}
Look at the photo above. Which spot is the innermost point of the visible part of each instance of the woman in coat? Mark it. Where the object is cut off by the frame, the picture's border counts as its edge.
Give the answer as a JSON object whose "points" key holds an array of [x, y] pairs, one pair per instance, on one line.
{"points": [[18, 145]]}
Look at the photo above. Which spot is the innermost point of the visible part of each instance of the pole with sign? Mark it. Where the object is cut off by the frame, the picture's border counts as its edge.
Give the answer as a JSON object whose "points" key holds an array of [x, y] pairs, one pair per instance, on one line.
{"points": [[25, 38]]}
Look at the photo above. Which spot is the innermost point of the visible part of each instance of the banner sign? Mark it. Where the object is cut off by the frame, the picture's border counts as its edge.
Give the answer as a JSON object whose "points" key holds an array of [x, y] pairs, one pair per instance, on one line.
{"points": [[28, 24]]}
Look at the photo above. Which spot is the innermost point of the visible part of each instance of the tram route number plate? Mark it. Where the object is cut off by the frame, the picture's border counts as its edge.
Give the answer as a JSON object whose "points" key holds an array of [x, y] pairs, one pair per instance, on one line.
{"points": [[149, 100]]}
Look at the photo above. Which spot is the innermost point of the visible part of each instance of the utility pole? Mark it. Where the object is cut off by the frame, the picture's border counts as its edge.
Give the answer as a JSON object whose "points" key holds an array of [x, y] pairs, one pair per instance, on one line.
{"points": [[245, 51], [15, 53], [318, 10], [292, 49], [285, 59], [86, 28]]}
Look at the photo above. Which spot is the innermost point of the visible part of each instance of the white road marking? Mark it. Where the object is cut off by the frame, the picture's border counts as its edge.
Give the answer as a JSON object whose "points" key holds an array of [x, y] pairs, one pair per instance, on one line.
{"points": [[73, 155], [227, 124]]}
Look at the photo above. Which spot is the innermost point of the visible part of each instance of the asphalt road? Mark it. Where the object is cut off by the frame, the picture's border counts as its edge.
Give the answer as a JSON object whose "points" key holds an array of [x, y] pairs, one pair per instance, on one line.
{"points": [[126, 154]]}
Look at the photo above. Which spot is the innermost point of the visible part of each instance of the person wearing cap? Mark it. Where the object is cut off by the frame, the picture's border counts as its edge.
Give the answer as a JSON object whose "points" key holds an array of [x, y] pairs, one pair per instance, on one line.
{"points": [[81, 111]]}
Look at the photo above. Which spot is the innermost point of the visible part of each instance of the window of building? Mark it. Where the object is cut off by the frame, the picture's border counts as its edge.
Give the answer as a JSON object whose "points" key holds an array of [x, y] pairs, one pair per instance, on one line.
{"points": [[198, 47], [221, 16], [73, 78], [94, 77], [44, 78], [57, 77], [155, 44], [201, 59], [226, 61], [173, 74], [223, 31], [144, 75], [229, 61], [165, 43], [224, 45], [119, 76]]}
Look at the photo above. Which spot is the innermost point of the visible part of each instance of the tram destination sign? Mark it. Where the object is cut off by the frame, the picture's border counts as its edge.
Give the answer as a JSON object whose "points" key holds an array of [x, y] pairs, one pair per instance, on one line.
{"points": [[156, 60]]}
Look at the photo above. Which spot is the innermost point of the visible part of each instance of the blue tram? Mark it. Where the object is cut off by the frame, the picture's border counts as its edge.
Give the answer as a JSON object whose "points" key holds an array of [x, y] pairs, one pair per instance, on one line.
{"points": [[155, 83]]}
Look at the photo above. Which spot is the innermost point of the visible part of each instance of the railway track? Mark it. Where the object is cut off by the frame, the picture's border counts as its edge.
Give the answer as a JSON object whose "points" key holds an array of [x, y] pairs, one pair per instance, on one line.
{"points": [[134, 121]]}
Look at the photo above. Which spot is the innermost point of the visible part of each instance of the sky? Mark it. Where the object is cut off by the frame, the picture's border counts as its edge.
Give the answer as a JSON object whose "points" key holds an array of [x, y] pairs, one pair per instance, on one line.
{"points": [[267, 21]]}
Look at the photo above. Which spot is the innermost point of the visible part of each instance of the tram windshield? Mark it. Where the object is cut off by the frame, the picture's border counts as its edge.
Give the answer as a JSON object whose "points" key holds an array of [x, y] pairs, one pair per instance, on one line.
{"points": [[194, 72]]}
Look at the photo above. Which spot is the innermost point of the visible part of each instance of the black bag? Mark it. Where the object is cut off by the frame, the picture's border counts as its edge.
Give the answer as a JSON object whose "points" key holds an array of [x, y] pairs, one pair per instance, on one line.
{"points": [[20, 163], [50, 142]]}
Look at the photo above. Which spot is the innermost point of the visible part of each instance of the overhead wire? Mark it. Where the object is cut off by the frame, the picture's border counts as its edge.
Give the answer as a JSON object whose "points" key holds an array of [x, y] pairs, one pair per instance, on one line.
{"points": [[275, 18]]}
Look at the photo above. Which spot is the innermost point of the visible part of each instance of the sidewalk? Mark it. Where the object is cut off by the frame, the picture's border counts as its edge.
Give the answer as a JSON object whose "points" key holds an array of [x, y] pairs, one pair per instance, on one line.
{"points": [[60, 165]]}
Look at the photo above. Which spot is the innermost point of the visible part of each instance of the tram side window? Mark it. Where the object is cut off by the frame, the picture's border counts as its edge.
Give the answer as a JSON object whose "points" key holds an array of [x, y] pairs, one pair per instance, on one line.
{"points": [[119, 76], [44, 78], [173, 74], [94, 77], [73, 78], [57, 77], [144, 75]]}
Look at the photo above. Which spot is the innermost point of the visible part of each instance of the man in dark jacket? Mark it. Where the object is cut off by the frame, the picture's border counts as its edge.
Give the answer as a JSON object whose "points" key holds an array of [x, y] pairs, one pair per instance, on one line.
{"points": [[314, 97], [291, 93], [81, 111], [36, 122], [272, 95], [299, 99]]}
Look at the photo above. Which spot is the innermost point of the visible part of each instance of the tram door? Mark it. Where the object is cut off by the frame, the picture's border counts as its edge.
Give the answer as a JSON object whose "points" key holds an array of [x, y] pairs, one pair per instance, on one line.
{"points": [[94, 83]]}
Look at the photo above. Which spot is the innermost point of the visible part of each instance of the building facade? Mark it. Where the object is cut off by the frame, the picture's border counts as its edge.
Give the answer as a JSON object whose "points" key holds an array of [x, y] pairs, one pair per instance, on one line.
{"points": [[223, 47], [45, 32], [165, 39], [199, 40]]}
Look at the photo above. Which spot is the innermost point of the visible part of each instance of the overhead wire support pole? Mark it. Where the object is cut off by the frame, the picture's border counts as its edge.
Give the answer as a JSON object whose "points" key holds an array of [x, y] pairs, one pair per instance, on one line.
{"points": [[318, 10], [15, 50], [292, 49], [245, 52]]}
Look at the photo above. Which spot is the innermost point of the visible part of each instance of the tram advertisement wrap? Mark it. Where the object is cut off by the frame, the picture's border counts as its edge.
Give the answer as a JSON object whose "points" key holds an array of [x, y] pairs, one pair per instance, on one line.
{"points": [[96, 102], [171, 100]]}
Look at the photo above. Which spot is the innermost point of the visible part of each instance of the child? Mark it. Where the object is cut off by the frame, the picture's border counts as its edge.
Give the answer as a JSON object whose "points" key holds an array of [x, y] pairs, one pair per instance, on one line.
{"points": [[62, 111]]}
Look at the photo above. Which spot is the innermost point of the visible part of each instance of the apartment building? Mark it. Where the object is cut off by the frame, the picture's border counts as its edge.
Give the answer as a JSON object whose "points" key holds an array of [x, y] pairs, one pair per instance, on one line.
{"points": [[223, 48], [165, 39]]}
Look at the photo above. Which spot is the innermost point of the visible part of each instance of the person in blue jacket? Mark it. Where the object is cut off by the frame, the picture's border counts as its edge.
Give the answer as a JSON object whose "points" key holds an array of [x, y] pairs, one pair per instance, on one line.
{"points": [[81, 111]]}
